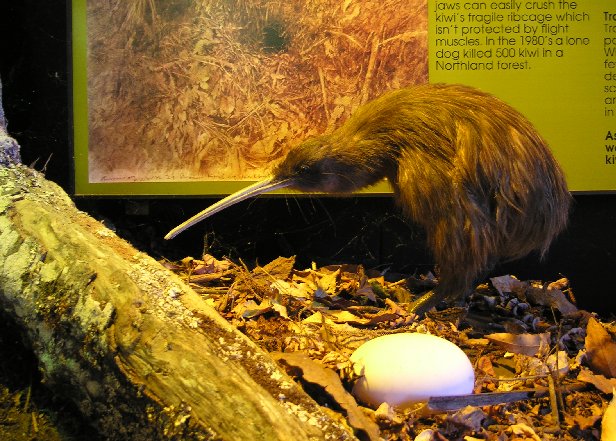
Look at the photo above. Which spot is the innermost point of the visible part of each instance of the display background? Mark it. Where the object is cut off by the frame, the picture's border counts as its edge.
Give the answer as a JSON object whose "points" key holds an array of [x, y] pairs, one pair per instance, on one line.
{"points": [[551, 60]]}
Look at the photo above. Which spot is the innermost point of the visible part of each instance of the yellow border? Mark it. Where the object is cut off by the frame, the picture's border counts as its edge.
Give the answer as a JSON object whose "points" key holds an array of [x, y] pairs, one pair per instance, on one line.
{"points": [[80, 94]]}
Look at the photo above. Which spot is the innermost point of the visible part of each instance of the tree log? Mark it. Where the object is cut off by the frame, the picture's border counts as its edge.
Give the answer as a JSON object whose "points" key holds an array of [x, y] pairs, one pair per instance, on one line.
{"points": [[139, 352]]}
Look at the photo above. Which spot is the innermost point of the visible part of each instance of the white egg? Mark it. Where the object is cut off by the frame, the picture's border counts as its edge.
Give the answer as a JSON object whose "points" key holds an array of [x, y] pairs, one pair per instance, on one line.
{"points": [[402, 369]]}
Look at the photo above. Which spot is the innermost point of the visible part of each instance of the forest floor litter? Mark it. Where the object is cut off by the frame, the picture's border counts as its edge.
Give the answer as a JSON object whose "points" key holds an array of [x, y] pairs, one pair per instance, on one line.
{"points": [[544, 370], [521, 336]]}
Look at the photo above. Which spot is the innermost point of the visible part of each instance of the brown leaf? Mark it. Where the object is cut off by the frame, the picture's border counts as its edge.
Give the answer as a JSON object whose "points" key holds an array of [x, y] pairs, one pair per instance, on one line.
{"points": [[522, 430], [366, 291], [250, 308], [227, 105], [293, 289], [550, 297], [313, 372], [584, 422], [527, 344], [508, 284], [317, 318], [328, 282], [263, 277], [484, 364], [605, 385], [346, 317], [600, 349], [470, 416], [279, 268], [210, 265]]}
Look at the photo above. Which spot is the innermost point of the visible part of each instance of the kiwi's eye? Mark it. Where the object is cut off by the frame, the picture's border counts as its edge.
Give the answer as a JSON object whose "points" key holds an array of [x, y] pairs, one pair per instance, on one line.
{"points": [[304, 169]]}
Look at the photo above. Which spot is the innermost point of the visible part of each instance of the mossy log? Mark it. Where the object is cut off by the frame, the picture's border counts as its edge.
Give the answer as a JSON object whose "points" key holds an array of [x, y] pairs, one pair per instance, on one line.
{"points": [[136, 349]]}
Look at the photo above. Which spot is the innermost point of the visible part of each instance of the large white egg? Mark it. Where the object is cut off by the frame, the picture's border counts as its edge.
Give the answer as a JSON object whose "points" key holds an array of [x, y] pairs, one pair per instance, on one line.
{"points": [[402, 369]]}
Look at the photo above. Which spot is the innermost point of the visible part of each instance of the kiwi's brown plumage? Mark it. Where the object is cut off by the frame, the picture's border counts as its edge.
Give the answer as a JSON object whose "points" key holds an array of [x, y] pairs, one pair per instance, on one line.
{"points": [[463, 164]]}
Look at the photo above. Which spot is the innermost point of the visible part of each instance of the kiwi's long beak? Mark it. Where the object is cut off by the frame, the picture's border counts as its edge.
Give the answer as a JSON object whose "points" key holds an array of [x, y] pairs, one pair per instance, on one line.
{"points": [[260, 187]]}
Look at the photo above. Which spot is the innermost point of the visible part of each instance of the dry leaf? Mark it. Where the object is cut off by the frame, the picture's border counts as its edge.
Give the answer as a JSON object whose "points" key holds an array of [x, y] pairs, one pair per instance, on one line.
{"points": [[291, 289], [559, 363], [227, 105], [600, 349], [300, 365], [426, 435], [317, 317], [264, 148], [484, 364], [210, 265], [277, 269], [551, 297], [527, 366], [605, 385], [470, 416], [336, 114], [585, 422], [283, 131], [346, 317], [280, 309], [523, 430], [527, 344], [366, 291], [508, 284], [328, 282], [250, 309]]}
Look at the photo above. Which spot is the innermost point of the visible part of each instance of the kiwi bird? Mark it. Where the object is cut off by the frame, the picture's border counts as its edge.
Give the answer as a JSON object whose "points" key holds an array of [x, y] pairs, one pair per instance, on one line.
{"points": [[463, 164]]}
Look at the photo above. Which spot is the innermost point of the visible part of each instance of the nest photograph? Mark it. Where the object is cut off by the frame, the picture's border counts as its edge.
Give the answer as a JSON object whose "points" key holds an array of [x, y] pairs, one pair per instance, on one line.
{"points": [[190, 90]]}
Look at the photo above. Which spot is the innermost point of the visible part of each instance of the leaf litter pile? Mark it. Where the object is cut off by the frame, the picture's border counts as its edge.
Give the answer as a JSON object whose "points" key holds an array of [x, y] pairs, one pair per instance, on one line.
{"points": [[544, 369]]}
